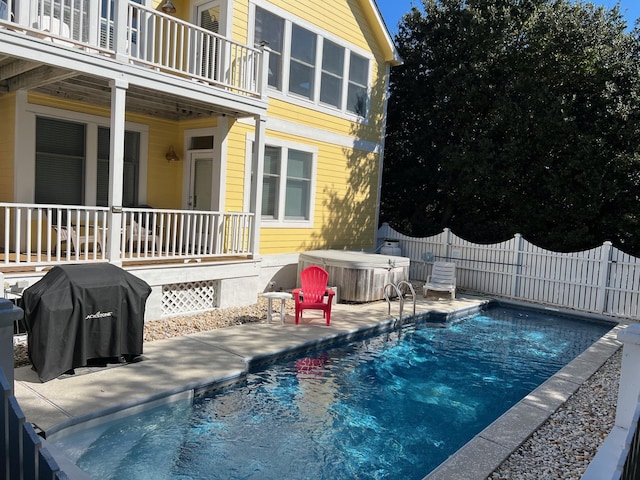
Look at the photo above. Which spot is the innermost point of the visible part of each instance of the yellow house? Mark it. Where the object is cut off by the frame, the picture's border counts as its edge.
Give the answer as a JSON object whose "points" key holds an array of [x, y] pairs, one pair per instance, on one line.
{"points": [[200, 144]]}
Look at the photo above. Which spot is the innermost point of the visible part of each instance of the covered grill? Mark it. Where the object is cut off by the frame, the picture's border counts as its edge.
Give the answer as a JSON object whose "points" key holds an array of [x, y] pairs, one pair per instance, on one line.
{"points": [[76, 313]]}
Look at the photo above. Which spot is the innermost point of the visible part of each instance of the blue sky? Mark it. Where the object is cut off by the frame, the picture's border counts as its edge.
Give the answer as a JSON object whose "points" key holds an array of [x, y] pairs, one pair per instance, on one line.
{"points": [[392, 10]]}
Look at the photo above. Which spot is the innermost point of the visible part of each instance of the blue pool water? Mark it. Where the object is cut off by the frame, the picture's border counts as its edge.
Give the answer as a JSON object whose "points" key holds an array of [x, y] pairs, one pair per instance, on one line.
{"points": [[389, 407]]}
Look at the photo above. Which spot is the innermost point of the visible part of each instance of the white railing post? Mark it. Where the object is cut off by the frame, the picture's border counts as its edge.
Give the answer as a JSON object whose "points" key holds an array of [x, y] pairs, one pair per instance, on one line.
{"points": [[605, 261], [120, 14], [517, 258], [263, 71], [447, 244]]}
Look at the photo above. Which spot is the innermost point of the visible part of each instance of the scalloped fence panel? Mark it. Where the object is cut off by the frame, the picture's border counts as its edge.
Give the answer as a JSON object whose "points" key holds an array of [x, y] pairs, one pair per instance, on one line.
{"points": [[602, 280]]}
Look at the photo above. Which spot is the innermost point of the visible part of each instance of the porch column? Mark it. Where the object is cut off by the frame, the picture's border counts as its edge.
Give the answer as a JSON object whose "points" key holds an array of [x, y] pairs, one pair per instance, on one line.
{"points": [[116, 168], [256, 183]]}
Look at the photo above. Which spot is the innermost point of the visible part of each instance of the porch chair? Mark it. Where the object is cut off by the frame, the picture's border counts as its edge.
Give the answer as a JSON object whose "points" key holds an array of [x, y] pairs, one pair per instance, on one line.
{"points": [[442, 278], [311, 295]]}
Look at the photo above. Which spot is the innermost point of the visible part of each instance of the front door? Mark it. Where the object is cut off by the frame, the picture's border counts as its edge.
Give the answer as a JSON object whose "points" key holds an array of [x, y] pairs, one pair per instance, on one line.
{"points": [[204, 181]]}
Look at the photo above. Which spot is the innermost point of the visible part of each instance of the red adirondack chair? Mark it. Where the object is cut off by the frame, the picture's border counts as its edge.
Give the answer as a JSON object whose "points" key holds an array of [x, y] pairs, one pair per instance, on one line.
{"points": [[313, 292]]}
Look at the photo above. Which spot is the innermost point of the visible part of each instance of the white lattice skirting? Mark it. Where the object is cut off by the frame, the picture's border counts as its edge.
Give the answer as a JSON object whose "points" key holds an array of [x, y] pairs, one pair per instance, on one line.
{"points": [[191, 297]]}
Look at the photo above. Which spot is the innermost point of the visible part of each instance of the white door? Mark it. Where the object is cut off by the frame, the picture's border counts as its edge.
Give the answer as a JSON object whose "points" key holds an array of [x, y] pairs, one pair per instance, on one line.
{"points": [[204, 182], [209, 18]]}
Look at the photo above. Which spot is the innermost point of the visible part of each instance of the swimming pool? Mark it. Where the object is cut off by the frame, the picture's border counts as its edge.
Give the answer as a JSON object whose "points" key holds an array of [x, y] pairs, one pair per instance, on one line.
{"points": [[391, 406]]}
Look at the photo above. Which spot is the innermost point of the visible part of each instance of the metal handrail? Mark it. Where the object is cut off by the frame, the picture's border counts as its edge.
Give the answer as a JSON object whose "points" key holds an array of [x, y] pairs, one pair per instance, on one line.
{"points": [[413, 292], [400, 296]]}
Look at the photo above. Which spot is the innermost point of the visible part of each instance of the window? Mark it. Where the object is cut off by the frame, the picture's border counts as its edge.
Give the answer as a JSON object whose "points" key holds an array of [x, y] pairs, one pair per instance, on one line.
{"points": [[287, 186], [357, 90], [298, 185], [270, 28], [332, 73], [332, 77], [271, 181], [303, 60], [60, 159], [61, 164], [130, 168]]}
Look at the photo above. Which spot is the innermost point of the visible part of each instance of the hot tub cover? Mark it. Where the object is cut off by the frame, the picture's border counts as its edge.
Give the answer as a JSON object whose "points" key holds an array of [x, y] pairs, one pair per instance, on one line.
{"points": [[80, 312]]}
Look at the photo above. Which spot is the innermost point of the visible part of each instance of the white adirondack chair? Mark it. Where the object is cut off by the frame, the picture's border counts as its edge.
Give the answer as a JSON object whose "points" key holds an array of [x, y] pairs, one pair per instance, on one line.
{"points": [[442, 278]]}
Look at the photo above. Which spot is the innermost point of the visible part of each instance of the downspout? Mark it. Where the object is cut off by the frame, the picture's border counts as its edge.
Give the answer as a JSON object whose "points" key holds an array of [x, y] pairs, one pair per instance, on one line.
{"points": [[381, 155]]}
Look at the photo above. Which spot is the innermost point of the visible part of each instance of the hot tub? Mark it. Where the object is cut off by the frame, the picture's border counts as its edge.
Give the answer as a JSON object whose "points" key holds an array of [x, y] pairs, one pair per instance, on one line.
{"points": [[360, 277]]}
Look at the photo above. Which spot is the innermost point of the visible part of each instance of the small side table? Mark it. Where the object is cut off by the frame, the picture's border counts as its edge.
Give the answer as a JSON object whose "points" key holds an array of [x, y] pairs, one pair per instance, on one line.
{"points": [[283, 297]]}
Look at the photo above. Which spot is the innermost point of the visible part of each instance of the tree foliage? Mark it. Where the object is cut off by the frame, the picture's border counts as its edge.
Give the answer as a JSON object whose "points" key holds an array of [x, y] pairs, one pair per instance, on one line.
{"points": [[515, 116]]}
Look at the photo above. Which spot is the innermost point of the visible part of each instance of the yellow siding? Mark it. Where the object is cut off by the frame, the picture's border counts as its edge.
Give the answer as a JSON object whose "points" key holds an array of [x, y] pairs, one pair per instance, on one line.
{"points": [[7, 136], [346, 182]]}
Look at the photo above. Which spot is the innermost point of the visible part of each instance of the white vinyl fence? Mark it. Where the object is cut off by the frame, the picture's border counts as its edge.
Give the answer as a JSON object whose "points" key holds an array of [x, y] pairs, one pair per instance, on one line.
{"points": [[603, 280]]}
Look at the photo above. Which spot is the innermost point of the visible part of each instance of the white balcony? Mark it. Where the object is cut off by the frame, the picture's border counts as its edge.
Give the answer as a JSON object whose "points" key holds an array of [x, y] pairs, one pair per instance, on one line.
{"points": [[79, 40]]}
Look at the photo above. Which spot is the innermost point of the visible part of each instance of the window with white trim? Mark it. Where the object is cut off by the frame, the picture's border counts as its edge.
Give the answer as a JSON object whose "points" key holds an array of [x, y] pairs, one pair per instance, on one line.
{"points": [[318, 69], [302, 69], [332, 73], [357, 97], [286, 184], [269, 28], [61, 158]]}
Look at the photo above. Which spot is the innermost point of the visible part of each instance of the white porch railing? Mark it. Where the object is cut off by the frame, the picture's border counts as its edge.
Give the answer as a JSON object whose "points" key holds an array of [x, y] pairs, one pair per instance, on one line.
{"points": [[150, 38], [35, 235], [182, 234]]}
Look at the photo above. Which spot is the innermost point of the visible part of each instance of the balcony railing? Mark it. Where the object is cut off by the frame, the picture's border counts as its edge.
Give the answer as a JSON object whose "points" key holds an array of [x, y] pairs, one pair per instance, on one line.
{"points": [[140, 35], [37, 235]]}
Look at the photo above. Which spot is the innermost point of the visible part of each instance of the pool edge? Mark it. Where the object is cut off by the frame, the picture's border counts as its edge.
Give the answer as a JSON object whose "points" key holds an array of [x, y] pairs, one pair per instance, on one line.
{"points": [[485, 452]]}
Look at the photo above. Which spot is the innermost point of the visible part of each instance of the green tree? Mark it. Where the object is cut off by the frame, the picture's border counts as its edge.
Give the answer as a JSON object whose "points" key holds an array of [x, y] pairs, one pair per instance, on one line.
{"points": [[515, 116]]}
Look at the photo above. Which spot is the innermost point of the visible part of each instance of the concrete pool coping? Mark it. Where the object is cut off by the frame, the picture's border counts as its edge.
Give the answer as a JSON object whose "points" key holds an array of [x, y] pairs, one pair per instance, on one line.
{"points": [[208, 359]]}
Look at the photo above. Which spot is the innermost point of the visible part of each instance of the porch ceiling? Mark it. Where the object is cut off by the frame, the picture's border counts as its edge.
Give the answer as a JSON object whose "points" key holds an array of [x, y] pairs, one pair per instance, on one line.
{"points": [[21, 74]]}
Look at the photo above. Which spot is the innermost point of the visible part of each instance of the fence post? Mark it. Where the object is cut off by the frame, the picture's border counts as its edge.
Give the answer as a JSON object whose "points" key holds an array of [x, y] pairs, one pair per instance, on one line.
{"points": [[9, 313], [447, 244], [517, 257], [605, 262]]}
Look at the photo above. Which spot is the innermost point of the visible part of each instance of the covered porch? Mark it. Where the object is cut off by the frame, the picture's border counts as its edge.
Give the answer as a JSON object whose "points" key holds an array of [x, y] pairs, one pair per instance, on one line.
{"points": [[76, 62]]}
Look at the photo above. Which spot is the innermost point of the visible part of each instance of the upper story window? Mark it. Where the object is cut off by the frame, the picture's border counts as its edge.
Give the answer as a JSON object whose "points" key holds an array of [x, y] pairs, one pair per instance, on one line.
{"points": [[303, 61], [358, 75], [332, 74], [270, 28], [305, 65]]}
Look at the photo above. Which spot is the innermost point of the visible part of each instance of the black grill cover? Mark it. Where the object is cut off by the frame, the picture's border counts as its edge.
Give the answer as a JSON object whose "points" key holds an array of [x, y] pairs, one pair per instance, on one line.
{"points": [[76, 313]]}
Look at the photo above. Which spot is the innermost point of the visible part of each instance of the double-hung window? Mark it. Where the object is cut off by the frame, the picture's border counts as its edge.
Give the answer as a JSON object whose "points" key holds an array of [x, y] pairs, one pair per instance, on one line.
{"points": [[303, 61], [287, 184], [357, 97], [270, 29], [308, 67], [332, 74]]}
